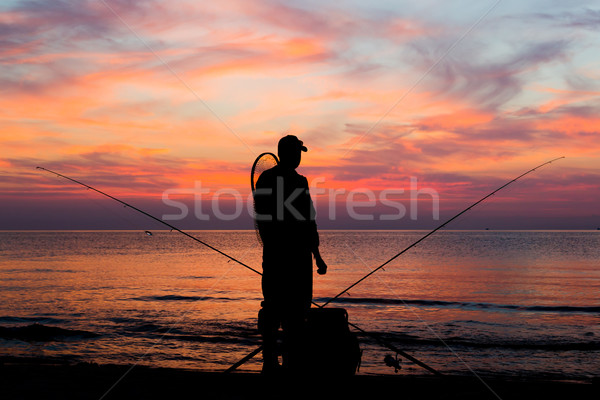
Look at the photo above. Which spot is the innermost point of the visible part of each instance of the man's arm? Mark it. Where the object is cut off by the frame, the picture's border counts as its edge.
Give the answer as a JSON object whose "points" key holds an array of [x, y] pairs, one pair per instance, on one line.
{"points": [[321, 266]]}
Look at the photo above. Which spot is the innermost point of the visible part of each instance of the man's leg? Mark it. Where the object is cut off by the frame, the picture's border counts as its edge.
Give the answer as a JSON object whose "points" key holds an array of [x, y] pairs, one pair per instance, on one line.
{"points": [[294, 332], [268, 326]]}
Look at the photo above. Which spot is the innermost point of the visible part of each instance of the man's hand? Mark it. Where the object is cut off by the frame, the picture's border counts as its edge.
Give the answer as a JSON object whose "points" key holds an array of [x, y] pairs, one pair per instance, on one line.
{"points": [[321, 266]]}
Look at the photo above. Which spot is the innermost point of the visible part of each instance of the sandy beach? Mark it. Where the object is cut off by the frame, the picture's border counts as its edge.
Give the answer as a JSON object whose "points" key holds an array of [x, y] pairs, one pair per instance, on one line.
{"points": [[39, 378]]}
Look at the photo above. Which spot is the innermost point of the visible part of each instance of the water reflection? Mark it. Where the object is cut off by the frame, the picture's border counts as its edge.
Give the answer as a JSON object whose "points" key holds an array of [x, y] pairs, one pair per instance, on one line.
{"points": [[475, 290]]}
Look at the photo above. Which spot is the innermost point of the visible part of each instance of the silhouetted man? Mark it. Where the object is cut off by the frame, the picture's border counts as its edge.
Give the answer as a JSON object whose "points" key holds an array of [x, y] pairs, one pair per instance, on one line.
{"points": [[286, 224]]}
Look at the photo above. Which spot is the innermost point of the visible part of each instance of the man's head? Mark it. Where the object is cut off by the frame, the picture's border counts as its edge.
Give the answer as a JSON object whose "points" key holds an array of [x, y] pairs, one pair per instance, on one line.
{"points": [[289, 150]]}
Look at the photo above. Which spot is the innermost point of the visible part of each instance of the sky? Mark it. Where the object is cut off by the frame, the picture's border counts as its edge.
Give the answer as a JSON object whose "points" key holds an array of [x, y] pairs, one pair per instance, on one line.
{"points": [[439, 102]]}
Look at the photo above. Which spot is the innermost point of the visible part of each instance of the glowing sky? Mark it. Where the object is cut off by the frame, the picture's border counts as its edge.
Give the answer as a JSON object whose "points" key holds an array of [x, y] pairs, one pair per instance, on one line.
{"points": [[139, 97]]}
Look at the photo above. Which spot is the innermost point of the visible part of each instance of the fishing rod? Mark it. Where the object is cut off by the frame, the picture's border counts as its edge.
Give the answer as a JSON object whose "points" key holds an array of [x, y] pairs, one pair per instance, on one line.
{"points": [[372, 335], [435, 230], [389, 346], [251, 355], [173, 228]]}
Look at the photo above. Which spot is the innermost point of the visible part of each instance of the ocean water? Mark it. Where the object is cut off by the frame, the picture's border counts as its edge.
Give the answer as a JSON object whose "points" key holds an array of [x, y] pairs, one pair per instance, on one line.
{"points": [[521, 303]]}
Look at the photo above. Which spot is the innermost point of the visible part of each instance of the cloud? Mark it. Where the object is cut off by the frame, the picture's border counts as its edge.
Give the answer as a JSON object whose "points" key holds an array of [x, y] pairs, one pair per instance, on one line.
{"points": [[83, 94], [583, 18], [467, 76], [114, 167]]}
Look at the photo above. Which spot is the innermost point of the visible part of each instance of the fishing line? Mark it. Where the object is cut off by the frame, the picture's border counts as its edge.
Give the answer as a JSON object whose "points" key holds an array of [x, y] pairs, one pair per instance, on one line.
{"points": [[266, 161], [483, 208], [160, 339], [153, 217], [427, 326], [248, 357], [413, 245], [172, 228], [436, 229], [259, 273], [110, 210], [114, 212]]}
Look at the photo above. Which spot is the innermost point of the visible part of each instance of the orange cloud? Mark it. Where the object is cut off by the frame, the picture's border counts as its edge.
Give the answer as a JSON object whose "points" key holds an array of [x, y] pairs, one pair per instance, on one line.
{"points": [[221, 83]]}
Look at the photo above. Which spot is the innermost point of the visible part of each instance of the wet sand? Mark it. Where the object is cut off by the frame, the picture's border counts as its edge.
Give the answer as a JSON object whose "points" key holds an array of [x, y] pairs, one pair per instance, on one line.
{"points": [[44, 379]]}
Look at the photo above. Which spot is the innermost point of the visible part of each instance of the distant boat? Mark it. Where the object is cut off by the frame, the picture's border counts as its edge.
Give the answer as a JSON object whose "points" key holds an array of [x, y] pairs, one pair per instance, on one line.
{"points": [[148, 233]]}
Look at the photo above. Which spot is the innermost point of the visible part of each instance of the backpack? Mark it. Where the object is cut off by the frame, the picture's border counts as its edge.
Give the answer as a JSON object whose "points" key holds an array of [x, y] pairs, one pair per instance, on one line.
{"points": [[331, 348]]}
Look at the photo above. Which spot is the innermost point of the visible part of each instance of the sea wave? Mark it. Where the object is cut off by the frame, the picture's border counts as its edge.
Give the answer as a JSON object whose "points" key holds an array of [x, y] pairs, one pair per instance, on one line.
{"points": [[176, 297], [205, 332], [42, 333], [22, 320], [487, 343], [467, 305], [37, 270]]}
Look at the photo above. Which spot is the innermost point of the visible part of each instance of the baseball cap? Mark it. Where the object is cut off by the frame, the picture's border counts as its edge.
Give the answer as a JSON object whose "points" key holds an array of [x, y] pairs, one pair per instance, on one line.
{"points": [[290, 142]]}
